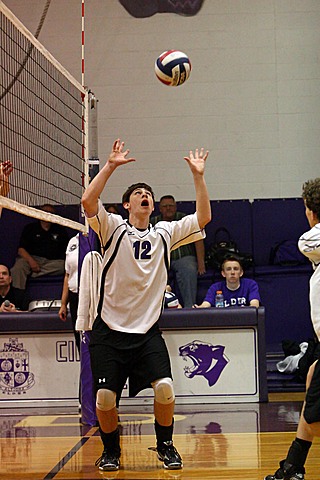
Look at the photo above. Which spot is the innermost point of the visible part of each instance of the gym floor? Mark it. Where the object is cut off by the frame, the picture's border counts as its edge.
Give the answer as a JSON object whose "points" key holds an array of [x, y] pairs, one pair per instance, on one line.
{"points": [[229, 441]]}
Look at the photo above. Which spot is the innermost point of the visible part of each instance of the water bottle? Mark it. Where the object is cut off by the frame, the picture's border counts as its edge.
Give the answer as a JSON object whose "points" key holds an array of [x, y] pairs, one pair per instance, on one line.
{"points": [[219, 302]]}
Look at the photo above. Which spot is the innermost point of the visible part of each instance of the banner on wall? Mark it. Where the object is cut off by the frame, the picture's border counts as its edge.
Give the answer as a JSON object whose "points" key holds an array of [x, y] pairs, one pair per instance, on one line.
{"points": [[143, 9], [42, 367], [210, 366]]}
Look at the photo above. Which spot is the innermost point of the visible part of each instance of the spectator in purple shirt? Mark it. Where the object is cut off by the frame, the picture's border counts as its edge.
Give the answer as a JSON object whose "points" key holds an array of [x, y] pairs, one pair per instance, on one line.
{"points": [[236, 290]]}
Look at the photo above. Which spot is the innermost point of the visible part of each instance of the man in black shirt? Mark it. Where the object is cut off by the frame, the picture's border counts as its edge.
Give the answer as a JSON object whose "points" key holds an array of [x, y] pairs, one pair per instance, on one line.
{"points": [[41, 250], [187, 261], [11, 299]]}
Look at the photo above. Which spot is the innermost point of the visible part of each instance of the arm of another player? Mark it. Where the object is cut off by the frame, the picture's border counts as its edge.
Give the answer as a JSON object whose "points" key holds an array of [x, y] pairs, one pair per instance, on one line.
{"points": [[5, 170], [196, 163], [116, 158], [64, 298]]}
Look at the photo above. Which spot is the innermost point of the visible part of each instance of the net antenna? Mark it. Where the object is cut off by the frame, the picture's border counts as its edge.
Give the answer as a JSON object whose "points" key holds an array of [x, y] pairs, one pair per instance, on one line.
{"points": [[43, 126]]}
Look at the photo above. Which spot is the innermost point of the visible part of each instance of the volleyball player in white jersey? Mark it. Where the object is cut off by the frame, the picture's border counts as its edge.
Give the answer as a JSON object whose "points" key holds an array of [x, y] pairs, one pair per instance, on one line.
{"points": [[126, 341], [293, 466]]}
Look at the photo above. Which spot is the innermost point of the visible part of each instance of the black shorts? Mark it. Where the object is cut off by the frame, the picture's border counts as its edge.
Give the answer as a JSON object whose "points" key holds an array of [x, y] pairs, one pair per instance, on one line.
{"points": [[312, 406], [118, 356]]}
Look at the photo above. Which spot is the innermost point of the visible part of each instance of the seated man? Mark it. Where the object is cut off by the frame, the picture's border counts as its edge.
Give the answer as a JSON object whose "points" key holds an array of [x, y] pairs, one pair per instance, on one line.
{"points": [[11, 299], [236, 291], [187, 261], [41, 250]]}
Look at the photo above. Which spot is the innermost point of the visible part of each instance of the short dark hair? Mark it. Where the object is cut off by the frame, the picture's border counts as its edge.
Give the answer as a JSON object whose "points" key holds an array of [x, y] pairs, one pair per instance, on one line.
{"points": [[135, 186], [231, 258], [4, 265], [171, 197], [45, 207], [311, 195]]}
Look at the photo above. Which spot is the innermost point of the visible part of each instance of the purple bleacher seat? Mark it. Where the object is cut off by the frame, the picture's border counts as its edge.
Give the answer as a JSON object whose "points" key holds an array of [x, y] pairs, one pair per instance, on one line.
{"points": [[48, 287], [275, 220]]}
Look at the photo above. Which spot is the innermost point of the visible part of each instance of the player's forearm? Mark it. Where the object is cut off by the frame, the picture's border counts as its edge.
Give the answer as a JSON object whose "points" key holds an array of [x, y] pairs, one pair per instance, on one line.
{"points": [[65, 291], [92, 193], [203, 207], [5, 171]]}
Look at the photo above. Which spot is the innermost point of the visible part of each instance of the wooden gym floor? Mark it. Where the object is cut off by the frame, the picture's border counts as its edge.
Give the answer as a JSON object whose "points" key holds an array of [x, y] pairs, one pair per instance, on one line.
{"points": [[220, 442]]}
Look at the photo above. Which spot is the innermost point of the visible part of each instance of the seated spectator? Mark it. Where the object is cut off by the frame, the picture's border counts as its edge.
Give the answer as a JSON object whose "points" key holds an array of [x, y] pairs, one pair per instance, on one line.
{"points": [[11, 299], [5, 170], [41, 250], [187, 261], [236, 290]]}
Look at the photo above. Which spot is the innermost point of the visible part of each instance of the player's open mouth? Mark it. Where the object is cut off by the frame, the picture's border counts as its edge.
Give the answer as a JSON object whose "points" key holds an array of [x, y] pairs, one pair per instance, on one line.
{"points": [[144, 203]]}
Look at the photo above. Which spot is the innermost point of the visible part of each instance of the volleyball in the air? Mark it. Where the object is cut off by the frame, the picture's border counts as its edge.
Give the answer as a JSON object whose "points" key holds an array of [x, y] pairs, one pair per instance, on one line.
{"points": [[172, 68]]}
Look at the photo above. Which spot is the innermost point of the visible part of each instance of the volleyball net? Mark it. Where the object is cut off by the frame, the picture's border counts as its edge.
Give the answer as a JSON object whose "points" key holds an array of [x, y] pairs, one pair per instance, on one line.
{"points": [[43, 126]]}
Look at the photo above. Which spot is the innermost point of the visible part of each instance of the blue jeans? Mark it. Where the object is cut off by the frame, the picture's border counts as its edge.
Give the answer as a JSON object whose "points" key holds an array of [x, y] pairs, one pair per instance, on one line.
{"points": [[185, 270]]}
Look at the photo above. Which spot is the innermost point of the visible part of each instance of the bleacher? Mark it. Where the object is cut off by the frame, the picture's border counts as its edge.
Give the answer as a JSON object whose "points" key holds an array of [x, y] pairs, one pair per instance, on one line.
{"points": [[256, 227], [281, 382], [11, 226]]}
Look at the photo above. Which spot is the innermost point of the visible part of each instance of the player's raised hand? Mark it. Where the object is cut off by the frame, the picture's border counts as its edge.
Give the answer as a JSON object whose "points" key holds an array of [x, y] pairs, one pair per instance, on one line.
{"points": [[5, 170], [6, 167], [197, 160], [118, 156]]}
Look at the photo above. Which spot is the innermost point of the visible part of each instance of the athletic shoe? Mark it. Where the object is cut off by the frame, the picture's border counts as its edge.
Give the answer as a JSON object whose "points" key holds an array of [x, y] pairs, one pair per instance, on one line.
{"points": [[287, 473], [169, 455], [108, 461], [280, 475]]}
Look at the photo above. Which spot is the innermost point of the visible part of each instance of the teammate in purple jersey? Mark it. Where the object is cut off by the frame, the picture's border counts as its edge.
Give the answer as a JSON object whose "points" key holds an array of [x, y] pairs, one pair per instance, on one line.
{"points": [[236, 290]]}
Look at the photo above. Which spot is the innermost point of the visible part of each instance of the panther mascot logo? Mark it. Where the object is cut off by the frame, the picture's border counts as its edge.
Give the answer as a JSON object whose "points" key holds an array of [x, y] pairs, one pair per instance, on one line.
{"points": [[208, 360]]}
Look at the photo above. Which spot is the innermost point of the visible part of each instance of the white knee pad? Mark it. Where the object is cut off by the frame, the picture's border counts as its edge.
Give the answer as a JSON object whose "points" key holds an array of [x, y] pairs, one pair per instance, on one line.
{"points": [[105, 400], [163, 391]]}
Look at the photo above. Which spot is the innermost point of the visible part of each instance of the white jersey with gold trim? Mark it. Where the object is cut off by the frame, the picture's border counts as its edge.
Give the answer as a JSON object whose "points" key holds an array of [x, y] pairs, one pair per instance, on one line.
{"points": [[135, 267]]}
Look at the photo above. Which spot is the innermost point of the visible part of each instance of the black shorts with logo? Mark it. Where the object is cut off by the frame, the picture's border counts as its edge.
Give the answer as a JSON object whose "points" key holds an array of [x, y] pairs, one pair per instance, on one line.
{"points": [[118, 356]]}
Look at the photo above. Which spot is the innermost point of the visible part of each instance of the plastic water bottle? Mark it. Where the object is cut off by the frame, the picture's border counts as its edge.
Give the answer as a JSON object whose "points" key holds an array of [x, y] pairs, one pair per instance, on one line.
{"points": [[219, 302]]}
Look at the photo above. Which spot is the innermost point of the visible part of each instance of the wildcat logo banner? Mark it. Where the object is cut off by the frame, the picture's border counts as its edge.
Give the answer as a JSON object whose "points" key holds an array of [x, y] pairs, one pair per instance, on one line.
{"points": [[208, 360]]}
